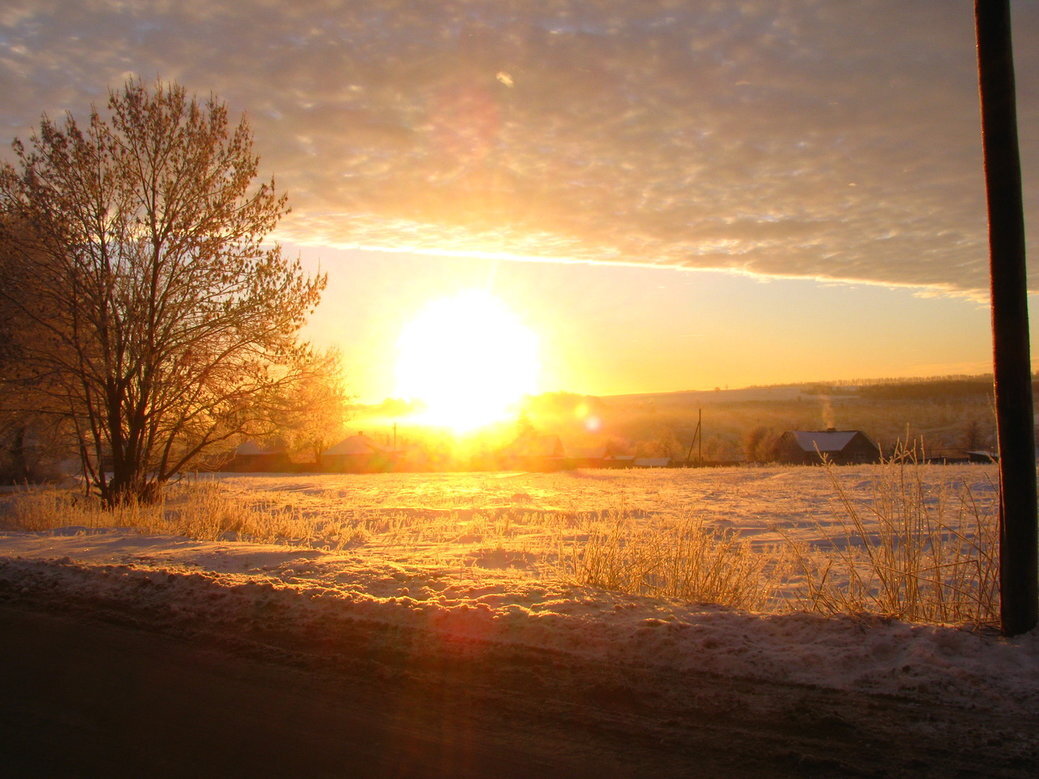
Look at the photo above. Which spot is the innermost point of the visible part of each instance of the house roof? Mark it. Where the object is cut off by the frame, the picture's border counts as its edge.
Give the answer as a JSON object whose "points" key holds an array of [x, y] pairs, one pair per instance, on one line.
{"points": [[359, 444], [589, 452], [823, 440], [533, 445], [652, 462], [252, 447]]}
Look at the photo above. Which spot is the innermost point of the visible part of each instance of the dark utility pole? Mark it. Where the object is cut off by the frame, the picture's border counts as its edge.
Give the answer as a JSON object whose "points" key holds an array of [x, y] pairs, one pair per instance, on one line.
{"points": [[697, 439], [1019, 544]]}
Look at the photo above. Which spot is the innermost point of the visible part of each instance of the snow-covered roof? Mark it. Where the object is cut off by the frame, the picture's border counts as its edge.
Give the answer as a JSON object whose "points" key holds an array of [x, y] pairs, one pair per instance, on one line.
{"points": [[823, 440], [359, 444]]}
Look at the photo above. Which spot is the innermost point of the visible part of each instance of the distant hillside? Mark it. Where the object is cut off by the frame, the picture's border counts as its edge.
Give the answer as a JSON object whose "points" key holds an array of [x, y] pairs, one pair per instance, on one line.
{"points": [[918, 388], [703, 397], [972, 386], [948, 414]]}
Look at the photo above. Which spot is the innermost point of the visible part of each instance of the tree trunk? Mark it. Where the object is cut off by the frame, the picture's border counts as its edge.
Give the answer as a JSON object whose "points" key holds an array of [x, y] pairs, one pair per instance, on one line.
{"points": [[19, 460]]}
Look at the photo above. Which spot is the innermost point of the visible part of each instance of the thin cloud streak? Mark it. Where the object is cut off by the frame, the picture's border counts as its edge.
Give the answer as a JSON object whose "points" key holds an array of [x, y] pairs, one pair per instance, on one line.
{"points": [[834, 140]]}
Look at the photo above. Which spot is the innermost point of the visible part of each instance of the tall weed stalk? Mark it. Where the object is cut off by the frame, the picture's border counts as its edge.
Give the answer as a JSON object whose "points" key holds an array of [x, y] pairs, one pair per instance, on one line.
{"points": [[912, 551]]}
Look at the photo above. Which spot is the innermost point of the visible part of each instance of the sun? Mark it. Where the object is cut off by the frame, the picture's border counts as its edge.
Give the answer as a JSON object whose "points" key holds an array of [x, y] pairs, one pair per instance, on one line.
{"points": [[468, 360]]}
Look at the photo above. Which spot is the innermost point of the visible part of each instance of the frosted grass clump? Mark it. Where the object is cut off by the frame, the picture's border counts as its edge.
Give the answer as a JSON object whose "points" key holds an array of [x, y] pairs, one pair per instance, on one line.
{"points": [[902, 539]]}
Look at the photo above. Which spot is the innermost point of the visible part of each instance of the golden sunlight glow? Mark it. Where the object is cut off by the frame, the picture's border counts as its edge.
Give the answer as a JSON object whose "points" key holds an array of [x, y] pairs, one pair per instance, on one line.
{"points": [[468, 360]]}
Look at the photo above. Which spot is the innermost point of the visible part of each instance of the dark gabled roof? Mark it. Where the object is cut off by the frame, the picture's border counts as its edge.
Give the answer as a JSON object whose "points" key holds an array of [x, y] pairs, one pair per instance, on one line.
{"points": [[823, 441]]}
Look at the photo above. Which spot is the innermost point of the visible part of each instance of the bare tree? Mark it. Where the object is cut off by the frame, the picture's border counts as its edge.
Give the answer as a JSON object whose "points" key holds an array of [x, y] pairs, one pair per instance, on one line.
{"points": [[159, 318], [759, 444], [312, 413], [33, 434]]}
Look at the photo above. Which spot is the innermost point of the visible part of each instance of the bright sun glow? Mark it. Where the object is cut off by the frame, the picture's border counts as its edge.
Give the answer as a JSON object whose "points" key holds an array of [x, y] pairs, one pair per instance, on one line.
{"points": [[468, 359]]}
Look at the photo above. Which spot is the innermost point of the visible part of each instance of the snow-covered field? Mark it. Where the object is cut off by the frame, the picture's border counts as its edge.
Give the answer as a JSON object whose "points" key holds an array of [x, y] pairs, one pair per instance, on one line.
{"points": [[477, 556]]}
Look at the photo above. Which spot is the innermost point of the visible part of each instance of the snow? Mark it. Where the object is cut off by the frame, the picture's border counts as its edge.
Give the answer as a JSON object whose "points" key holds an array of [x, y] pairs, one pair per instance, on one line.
{"points": [[466, 588]]}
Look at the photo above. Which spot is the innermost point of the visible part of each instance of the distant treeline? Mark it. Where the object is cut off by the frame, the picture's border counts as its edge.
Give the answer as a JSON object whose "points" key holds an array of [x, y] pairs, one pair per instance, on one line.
{"points": [[933, 389]]}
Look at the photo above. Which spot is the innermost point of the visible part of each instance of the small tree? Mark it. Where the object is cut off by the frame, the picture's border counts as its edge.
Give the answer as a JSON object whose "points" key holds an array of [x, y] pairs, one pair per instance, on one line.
{"points": [[312, 414], [974, 436], [159, 319], [759, 444]]}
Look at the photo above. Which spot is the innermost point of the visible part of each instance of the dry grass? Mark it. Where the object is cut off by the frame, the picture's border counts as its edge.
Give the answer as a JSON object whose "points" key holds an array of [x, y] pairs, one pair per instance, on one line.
{"points": [[685, 561], [904, 545], [200, 510], [911, 551]]}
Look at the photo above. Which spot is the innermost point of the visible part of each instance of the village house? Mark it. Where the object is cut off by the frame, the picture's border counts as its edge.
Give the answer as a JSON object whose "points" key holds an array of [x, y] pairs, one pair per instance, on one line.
{"points": [[812, 447], [356, 454], [534, 452], [254, 457], [651, 462], [589, 456]]}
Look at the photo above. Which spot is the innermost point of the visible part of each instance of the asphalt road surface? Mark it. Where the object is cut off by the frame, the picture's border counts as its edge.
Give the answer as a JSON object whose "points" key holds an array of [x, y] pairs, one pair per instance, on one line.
{"points": [[110, 691]]}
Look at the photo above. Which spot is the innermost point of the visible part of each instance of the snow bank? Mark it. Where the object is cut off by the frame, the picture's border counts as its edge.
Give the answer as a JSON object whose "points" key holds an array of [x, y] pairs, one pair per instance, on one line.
{"points": [[242, 583]]}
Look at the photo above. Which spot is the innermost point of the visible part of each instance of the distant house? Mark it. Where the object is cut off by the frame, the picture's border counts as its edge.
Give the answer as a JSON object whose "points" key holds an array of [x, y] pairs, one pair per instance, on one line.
{"points": [[534, 452], [619, 461], [589, 456], [254, 457], [811, 447], [982, 456], [651, 462], [356, 454], [612, 454]]}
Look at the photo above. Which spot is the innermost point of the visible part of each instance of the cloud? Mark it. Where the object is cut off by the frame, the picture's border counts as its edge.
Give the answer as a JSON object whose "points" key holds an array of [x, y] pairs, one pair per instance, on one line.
{"points": [[780, 137]]}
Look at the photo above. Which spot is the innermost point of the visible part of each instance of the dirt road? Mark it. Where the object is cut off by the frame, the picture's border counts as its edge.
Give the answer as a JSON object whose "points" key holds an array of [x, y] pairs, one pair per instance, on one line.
{"points": [[109, 689]]}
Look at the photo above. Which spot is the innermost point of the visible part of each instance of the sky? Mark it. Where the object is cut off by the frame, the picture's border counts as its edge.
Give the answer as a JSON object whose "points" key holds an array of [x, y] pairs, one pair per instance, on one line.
{"points": [[673, 195]]}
